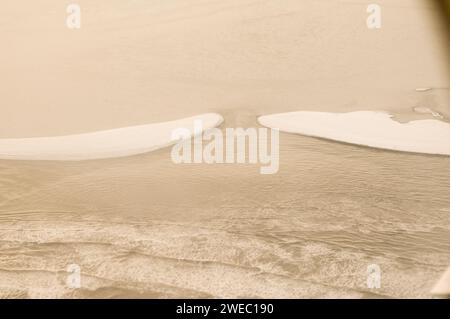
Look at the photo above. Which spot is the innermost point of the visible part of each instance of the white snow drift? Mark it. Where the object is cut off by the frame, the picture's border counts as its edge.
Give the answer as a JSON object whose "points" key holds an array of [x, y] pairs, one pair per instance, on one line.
{"points": [[102, 144], [368, 128]]}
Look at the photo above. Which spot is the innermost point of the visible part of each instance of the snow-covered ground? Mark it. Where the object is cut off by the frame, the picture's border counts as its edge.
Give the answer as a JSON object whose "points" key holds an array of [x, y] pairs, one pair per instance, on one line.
{"points": [[369, 128], [102, 144]]}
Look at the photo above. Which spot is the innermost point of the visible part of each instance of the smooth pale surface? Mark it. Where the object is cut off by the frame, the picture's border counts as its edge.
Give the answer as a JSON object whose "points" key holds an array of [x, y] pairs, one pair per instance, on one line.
{"points": [[442, 287], [102, 144], [155, 61], [368, 128]]}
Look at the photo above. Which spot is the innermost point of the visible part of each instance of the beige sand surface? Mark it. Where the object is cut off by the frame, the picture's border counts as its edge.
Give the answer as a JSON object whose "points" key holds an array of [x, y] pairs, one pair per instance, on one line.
{"points": [[151, 61], [143, 226]]}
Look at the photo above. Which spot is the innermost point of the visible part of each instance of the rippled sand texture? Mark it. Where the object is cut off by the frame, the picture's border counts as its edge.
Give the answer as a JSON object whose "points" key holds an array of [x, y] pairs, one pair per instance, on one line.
{"points": [[144, 227]]}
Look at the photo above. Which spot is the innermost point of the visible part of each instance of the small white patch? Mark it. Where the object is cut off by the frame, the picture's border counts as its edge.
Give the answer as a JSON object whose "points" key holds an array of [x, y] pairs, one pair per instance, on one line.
{"points": [[73, 21], [374, 19], [374, 276], [73, 280]]}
